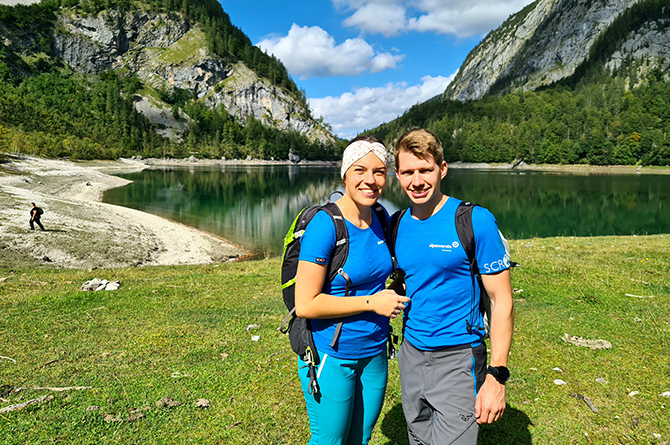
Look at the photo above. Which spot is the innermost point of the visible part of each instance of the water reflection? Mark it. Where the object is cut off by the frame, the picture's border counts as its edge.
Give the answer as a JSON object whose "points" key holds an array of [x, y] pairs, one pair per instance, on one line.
{"points": [[254, 205]]}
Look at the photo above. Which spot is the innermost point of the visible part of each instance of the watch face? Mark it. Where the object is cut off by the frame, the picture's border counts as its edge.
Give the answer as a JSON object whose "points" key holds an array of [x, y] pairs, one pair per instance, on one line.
{"points": [[503, 374], [500, 373]]}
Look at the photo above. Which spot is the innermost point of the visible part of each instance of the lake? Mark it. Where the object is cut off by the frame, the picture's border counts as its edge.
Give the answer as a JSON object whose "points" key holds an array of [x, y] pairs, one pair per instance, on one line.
{"points": [[253, 206]]}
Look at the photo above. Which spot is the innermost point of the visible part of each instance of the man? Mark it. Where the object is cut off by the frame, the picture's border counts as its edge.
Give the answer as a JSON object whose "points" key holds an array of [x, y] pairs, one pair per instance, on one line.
{"points": [[35, 215], [447, 389]]}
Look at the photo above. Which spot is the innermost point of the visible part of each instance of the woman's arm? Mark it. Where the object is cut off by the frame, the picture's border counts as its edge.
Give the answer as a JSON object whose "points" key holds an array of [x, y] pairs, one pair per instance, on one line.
{"points": [[310, 302]]}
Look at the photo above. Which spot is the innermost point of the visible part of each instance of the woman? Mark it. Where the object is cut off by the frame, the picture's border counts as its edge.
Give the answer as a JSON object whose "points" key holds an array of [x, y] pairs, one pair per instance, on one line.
{"points": [[352, 374]]}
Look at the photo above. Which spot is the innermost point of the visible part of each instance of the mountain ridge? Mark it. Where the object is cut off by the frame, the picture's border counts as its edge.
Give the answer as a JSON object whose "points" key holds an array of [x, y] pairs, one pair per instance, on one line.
{"points": [[549, 40], [183, 71]]}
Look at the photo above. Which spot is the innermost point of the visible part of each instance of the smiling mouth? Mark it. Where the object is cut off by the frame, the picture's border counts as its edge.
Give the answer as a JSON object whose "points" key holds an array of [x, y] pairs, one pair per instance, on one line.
{"points": [[419, 193], [368, 192]]}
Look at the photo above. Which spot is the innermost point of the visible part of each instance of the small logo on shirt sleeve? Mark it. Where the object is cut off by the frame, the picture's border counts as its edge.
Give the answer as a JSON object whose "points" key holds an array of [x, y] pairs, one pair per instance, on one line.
{"points": [[321, 260]]}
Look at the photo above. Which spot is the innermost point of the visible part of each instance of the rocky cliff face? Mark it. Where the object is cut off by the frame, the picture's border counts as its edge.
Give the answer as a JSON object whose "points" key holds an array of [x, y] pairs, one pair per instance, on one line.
{"points": [[165, 52], [547, 41]]}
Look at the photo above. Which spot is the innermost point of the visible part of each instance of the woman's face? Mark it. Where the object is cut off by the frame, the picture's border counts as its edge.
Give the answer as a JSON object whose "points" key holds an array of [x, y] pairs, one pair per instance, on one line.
{"points": [[365, 180]]}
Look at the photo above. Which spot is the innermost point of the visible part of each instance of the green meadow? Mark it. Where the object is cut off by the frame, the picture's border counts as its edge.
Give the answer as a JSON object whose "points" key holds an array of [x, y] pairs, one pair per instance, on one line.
{"points": [[108, 360]]}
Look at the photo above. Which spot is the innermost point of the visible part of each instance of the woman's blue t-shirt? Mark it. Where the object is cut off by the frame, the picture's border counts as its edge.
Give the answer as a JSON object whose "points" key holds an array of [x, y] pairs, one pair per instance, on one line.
{"points": [[437, 276], [368, 265]]}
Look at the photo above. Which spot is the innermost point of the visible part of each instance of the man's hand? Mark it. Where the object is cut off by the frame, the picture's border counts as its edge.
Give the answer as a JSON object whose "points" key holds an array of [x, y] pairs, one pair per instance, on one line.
{"points": [[490, 403]]}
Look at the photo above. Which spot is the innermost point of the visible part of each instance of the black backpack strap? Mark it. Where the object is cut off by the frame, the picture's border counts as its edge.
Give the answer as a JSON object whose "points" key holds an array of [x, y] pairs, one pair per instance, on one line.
{"points": [[378, 210], [466, 236], [339, 255], [393, 234], [341, 251], [465, 233]]}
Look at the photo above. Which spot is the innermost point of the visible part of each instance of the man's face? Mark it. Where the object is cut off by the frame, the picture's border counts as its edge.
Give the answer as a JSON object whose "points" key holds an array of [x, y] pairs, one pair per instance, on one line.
{"points": [[420, 178]]}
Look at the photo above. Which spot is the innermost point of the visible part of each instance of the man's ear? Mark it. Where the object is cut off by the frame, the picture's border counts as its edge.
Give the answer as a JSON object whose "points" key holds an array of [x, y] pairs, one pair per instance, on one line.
{"points": [[443, 169]]}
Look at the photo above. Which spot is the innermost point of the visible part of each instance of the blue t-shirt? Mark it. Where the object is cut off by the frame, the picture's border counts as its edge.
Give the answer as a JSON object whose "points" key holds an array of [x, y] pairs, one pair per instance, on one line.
{"points": [[368, 265], [437, 275]]}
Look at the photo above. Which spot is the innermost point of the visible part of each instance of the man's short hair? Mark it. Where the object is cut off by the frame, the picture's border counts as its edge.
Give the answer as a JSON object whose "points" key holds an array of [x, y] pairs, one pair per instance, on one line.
{"points": [[368, 138], [421, 143]]}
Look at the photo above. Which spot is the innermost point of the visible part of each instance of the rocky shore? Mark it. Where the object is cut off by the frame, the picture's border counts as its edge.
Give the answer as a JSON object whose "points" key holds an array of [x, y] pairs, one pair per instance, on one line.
{"points": [[82, 232]]}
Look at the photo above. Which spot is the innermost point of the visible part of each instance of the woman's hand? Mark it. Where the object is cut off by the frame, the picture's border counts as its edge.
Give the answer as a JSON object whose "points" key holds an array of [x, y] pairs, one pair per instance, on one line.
{"points": [[387, 303]]}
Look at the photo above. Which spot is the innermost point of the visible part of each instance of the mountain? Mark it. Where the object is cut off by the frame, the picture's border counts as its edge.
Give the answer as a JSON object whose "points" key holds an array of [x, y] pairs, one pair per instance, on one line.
{"points": [[184, 67], [560, 82], [551, 40]]}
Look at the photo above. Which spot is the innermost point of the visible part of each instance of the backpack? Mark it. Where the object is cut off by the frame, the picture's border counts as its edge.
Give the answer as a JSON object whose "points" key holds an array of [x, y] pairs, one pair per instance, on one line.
{"points": [[299, 329], [466, 237], [39, 211]]}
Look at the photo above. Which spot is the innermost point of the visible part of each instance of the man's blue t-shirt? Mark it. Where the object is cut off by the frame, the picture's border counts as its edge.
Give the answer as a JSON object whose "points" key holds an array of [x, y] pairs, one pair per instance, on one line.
{"points": [[368, 265], [437, 275]]}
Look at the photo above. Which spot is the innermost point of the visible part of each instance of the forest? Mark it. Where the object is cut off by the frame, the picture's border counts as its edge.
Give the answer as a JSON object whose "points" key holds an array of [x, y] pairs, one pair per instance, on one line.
{"points": [[596, 123], [596, 117], [47, 110], [70, 116], [600, 115]]}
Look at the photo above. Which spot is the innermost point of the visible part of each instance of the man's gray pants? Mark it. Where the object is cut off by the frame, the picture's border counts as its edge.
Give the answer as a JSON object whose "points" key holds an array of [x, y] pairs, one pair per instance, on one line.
{"points": [[439, 389]]}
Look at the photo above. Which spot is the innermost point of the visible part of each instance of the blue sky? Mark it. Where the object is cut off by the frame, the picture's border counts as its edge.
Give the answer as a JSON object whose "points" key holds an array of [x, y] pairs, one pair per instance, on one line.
{"points": [[364, 62]]}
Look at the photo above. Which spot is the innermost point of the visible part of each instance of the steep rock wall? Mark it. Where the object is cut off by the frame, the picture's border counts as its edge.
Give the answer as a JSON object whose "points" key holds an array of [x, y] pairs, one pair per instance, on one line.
{"points": [[164, 51], [540, 45]]}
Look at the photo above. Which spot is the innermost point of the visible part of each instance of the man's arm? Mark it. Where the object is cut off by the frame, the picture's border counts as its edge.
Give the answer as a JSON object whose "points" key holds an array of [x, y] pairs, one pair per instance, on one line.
{"points": [[490, 403]]}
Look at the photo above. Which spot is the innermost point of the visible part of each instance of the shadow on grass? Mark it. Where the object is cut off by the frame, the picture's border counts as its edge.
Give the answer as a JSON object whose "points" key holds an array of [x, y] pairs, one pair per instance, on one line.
{"points": [[394, 427], [511, 429]]}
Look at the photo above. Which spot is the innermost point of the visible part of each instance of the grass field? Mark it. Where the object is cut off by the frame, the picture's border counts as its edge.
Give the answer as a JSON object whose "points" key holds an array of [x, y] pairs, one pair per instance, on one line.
{"points": [[181, 332]]}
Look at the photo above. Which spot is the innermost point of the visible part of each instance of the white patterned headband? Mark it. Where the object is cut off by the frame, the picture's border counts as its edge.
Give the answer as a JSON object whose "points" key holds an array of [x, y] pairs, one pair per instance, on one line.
{"points": [[358, 149]]}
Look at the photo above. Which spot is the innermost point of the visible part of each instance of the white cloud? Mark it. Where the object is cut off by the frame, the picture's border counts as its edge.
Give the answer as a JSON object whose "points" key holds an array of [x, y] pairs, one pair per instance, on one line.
{"points": [[366, 108], [312, 52], [357, 4], [378, 18], [463, 18], [460, 18]]}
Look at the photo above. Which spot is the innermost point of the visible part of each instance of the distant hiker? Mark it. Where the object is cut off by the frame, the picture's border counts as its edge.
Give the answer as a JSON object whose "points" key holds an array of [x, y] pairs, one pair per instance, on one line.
{"points": [[35, 215], [352, 372], [447, 389]]}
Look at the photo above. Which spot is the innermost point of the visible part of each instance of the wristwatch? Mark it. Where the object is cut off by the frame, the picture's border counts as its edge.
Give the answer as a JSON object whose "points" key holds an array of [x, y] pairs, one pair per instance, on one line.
{"points": [[500, 373]]}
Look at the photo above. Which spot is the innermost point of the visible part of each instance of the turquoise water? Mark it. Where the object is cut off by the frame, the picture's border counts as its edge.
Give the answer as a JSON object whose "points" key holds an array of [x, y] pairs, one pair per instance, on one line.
{"points": [[253, 206]]}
